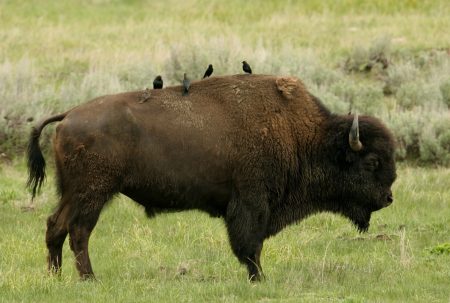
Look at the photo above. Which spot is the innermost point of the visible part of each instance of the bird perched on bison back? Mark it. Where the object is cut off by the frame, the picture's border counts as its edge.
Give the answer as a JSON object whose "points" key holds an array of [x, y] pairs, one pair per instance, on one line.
{"points": [[246, 67], [158, 83], [186, 85], [208, 71]]}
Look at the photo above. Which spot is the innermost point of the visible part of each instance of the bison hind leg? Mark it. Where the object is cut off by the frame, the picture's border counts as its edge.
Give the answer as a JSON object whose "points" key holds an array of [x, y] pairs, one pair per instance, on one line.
{"points": [[87, 180], [56, 234], [81, 225]]}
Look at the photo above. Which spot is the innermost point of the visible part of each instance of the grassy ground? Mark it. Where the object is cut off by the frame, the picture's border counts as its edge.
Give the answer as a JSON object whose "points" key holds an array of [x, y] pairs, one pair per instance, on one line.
{"points": [[185, 257]]}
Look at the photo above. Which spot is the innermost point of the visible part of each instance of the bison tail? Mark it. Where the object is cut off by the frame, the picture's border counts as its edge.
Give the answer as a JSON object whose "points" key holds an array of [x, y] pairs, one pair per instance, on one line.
{"points": [[36, 161]]}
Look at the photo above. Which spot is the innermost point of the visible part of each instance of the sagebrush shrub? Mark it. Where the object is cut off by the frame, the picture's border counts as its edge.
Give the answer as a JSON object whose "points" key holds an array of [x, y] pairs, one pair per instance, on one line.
{"points": [[411, 95], [434, 141], [445, 91]]}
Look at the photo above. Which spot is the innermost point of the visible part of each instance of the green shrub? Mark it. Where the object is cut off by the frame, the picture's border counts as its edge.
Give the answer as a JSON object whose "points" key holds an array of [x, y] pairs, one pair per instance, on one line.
{"points": [[416, 109], [398, 74], [418, 93], [376, 57], [421, 135], [406, 127], [334, 103], [434, 141], [366, 98], [441, 249], [445, 91]]}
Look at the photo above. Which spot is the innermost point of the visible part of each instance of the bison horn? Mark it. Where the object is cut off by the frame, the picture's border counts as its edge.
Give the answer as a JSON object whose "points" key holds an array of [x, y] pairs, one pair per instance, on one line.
{"points": [[353, 136]]}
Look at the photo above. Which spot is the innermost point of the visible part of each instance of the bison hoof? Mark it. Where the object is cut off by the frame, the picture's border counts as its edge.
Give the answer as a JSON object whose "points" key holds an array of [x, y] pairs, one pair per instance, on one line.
{"points": [[256, 278], [87, 277]]}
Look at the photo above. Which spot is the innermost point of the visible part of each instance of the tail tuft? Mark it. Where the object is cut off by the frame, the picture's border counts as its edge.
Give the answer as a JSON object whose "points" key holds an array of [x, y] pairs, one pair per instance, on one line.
{"points": [[36, 163]]}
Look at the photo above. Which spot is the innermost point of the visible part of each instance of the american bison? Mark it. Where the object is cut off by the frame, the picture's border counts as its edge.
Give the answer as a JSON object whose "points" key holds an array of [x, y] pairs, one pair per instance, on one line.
{"points": [[259, 151]]}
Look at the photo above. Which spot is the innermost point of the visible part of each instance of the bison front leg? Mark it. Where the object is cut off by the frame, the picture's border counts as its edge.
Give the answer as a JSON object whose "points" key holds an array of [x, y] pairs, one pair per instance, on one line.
{"points": [[246, 221]]}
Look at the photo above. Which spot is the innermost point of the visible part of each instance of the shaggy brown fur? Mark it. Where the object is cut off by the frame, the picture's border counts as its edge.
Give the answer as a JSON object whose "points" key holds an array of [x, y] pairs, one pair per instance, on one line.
{"points": [[259, 151]]}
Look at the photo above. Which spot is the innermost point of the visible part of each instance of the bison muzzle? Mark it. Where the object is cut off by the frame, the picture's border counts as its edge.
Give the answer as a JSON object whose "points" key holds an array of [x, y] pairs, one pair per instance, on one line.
{"points": [[259, 151]]}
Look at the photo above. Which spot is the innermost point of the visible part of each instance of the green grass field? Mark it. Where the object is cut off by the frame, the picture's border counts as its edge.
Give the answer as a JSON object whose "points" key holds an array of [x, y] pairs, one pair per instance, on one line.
{"points": [[58, 54], [185, 257]]}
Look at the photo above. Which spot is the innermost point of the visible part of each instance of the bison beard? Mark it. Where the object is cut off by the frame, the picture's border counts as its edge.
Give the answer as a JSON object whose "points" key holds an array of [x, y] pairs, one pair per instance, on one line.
{"points": [[259, 151], [361, 220]]}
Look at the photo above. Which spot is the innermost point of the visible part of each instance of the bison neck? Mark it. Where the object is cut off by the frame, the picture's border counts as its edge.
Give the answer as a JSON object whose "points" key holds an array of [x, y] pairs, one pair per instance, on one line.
{"points": [[311, 185]]}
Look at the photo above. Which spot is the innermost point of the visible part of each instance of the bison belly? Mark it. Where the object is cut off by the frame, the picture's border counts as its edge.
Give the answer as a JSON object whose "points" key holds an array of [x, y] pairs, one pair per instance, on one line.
{"points": [[169, 197]]}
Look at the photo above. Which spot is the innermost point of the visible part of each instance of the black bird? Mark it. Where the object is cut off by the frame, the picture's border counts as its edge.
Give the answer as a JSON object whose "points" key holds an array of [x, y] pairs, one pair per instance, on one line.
{"points": [[158, 83], [246, 67], [209, 71], [186, 85]]}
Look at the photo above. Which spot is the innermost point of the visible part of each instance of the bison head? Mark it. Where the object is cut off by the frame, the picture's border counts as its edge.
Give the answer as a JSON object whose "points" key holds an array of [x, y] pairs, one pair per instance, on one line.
{"points": [[362, 168]]}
